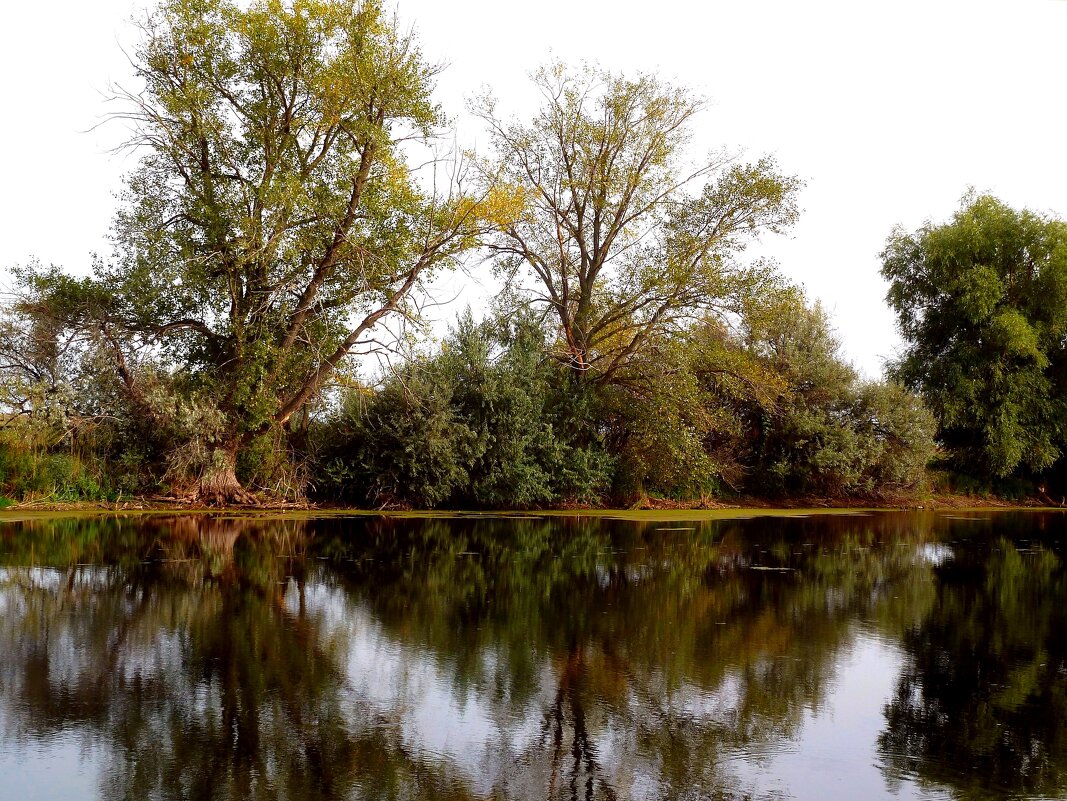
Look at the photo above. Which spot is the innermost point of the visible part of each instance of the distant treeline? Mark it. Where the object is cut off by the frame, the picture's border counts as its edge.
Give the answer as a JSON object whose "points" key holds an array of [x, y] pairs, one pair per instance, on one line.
{"points": [[278, 233]]}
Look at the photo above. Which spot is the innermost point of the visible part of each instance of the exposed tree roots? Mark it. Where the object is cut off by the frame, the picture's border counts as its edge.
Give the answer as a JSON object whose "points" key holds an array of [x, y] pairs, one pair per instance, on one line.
{"points": [[220, 487]]}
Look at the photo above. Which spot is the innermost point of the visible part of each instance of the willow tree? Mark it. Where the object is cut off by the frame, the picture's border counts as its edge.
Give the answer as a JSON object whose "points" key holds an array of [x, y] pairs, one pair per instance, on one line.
{"points": [[272, 225], [981, 302], [625, 240]]}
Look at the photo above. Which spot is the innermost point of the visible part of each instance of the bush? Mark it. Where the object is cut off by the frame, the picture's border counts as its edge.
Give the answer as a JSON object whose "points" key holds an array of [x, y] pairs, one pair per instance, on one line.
{"points": [[483, 423], [829, 434], [660, 429]]}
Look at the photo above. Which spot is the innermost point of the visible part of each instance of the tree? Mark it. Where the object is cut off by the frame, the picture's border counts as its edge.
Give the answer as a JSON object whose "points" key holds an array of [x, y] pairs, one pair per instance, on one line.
{"points": [[273, 222], [981, 302], [621, 241]]}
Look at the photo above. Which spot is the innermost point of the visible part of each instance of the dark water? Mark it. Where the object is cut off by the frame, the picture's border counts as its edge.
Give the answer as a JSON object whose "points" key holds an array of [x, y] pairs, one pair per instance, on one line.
{"points": [[894, 655]]}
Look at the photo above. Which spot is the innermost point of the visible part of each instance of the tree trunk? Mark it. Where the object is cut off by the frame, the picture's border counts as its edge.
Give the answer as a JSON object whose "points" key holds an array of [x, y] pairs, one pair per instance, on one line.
{"points": [[219, 485]]}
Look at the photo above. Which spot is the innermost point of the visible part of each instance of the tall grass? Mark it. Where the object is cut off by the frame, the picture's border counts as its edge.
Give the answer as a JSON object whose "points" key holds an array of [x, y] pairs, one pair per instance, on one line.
{"points": [[32, 471]]}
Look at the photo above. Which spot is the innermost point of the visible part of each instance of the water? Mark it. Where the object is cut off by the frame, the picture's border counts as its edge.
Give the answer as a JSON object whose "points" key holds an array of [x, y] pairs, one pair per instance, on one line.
{"points": [[891, 655]]}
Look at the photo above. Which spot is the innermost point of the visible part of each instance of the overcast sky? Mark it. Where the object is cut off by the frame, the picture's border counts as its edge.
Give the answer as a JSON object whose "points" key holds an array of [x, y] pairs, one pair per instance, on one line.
{"points": [[889, 111]]}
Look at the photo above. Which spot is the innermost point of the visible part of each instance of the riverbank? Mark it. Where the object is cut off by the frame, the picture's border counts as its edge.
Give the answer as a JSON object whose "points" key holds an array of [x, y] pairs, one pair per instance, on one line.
{"points": [[706, 507]]}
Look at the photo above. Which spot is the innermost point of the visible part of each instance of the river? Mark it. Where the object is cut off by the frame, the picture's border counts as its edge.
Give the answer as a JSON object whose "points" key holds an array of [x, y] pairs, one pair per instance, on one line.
{"points": [[870, 655]]}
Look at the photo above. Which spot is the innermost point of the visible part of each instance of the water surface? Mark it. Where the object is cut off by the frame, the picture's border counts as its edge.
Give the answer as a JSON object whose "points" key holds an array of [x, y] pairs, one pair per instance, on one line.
{"points": [[883, 655]]}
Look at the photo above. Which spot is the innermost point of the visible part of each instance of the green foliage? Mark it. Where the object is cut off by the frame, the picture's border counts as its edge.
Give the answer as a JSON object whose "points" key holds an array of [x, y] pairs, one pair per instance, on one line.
{"points": [[480, 423], [829, 433], [982, 303], [27, 472], [945, 479], [901, 430], [399, 444], [660, 427], [767, 406]]}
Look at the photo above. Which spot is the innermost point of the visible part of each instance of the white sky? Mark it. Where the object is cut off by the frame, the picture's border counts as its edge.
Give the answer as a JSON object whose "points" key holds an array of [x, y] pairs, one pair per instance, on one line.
{"points": [[889, 110]]}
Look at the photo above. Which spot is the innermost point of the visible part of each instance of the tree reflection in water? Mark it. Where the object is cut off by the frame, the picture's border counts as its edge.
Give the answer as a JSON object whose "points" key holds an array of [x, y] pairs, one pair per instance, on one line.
{"points": [[197, 662], [387, 658], [668, 655], [982, 703]]}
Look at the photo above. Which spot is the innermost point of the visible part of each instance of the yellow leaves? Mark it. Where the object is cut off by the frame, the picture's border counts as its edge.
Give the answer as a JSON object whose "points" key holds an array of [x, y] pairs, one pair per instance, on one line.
{"points": [[501, 206]]}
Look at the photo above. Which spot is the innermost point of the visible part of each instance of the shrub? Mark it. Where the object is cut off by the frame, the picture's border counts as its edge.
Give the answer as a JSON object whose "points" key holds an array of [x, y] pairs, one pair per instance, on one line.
{"points": [[484, 423], [829, 433]]}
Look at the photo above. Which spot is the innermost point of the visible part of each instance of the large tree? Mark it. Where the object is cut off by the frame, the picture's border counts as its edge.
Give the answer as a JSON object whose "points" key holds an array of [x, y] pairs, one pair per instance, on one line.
{"points": [[623, 240], [273, 224], [981, 302]]}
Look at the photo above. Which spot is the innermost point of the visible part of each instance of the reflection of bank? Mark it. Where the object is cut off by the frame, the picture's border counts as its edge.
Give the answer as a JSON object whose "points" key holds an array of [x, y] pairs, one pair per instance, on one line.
{"points": [[456, 659], [982, 700], [188, 673], [626, 702], [247, 551]]}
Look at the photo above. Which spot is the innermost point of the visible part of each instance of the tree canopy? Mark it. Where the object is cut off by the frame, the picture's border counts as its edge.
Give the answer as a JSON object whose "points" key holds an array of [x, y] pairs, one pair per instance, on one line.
{"points": [[621, 240], [273, 221], [981, 302]]}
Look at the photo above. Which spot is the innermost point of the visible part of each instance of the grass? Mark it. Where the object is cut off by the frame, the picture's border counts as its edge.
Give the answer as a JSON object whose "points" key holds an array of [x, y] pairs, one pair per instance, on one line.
{"points": [[10, 515]]}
